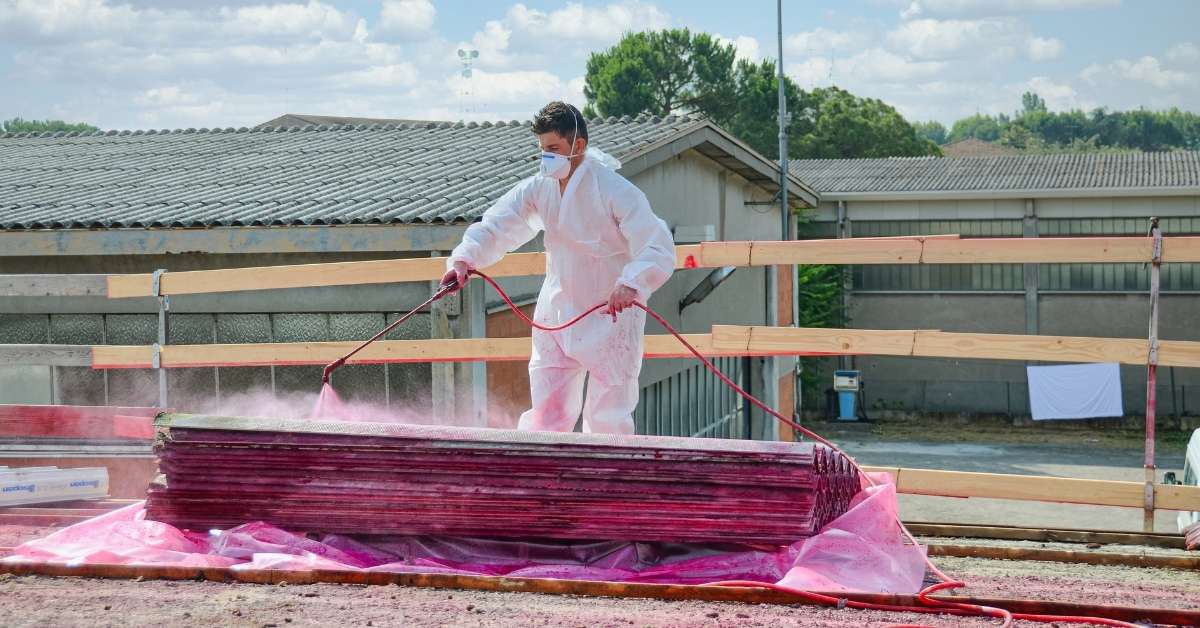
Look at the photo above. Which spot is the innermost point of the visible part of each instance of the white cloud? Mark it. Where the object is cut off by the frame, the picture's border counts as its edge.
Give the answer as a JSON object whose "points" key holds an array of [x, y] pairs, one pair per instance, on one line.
{"points": [[746, 47], [1058, 96], [491, 89], [1043, 48], [1145, 70], [822, 41], [994, 38], [527, 37], [1184, 52], [575, 21], [918, 8], [810, 72], [884, 65], [409, 19], [34, 21], [394, 75], [313, 20], [166, 96]]}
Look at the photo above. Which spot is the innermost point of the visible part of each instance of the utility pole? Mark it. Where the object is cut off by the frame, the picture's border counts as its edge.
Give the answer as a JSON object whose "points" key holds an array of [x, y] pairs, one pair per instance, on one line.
{"points": [[788, 226]]}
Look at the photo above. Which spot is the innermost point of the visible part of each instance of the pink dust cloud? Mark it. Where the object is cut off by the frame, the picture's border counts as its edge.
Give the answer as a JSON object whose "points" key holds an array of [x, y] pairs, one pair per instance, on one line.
{"points": [[329, 406]]}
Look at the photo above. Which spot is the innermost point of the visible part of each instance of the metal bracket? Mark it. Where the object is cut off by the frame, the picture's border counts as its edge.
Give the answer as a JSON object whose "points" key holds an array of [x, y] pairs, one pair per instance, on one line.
{"points": [[1156, 233], [156, 282], [164, 309], [1156, 262]]}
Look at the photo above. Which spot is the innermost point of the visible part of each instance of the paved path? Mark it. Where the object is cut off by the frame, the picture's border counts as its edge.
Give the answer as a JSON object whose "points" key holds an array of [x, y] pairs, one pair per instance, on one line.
{"points": [[1081, 461]]}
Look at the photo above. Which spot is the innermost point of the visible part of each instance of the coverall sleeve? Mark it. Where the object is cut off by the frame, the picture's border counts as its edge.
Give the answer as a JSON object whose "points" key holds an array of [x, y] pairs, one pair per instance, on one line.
{"points": [[506, 225], [649, 239]]}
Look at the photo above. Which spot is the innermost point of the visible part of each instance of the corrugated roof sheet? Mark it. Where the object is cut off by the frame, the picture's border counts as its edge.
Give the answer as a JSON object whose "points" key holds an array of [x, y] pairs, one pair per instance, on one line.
{"points": [[407, 173], [995, 173]]}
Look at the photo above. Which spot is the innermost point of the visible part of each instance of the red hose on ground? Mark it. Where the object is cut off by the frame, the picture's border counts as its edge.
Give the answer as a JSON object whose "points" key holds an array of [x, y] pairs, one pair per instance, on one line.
{"points": [[932, 605]]}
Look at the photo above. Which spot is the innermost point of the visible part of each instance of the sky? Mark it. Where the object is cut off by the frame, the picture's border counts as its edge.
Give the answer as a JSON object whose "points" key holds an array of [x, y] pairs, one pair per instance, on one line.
{"points": [[156, 64]]}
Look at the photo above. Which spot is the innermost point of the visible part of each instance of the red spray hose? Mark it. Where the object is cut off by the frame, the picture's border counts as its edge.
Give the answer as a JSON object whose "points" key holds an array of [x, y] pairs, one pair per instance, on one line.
{"points": [[932, 605], [336, 364]]}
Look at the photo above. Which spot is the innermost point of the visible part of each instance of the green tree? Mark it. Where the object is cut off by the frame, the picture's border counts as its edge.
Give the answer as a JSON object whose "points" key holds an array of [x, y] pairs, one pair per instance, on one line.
{"points": [[825, 122], [820, 305], [1031, 102], [755, 118], [978, 126], [675, 70], [1036, 129], [933, 131], [661, 72], [833, 123], [18, 125]]}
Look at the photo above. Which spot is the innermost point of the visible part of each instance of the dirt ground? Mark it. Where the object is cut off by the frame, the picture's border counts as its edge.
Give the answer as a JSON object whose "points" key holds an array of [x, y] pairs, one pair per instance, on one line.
{"points": [[41, 601], [30, 601]]}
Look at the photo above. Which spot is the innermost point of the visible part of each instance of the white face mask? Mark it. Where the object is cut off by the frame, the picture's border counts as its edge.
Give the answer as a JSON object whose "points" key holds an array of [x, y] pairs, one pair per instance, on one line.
{"points": [[558, 166]]}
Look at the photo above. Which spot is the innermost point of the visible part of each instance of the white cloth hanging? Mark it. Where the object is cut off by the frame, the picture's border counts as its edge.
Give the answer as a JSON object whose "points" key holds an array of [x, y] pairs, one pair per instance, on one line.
{"points": [[1075, 391]]}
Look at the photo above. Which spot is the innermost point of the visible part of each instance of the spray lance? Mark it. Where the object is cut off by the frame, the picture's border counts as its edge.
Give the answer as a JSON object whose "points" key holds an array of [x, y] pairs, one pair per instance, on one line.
{"points": [[446, 289]]}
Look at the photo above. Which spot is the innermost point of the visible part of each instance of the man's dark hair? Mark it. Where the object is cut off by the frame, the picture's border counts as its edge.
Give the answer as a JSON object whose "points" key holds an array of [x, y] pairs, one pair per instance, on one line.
{"points": [[557, 117]]}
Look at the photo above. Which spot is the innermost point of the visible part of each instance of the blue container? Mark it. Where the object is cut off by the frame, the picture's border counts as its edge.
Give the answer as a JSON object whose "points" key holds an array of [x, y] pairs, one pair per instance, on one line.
{"points": [[846, 399]]}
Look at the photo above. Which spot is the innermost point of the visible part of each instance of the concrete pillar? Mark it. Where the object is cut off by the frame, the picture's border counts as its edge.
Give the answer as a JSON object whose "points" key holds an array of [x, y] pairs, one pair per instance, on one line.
{"points": [[1032, 271], [442, 381], [844, 231], [459, 389], [471, 377]]}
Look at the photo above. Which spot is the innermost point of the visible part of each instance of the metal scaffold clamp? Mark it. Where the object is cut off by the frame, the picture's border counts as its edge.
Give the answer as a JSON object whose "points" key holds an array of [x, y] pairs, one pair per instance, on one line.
{"points": [[164, 308]]}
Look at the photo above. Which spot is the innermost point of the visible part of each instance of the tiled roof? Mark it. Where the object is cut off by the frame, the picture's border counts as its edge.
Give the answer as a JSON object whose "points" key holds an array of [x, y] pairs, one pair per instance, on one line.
{"points": [[304, 119], [406, 173], [1093, 171]]}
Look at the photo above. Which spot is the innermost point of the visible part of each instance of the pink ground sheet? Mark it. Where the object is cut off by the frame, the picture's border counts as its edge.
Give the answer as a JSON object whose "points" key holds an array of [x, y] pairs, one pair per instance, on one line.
{"points": [[863, 550]]}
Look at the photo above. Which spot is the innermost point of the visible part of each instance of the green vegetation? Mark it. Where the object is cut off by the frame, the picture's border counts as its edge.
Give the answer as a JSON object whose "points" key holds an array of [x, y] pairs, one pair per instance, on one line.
{"points": [[1038, 130], [18, 125], [673, 71]]}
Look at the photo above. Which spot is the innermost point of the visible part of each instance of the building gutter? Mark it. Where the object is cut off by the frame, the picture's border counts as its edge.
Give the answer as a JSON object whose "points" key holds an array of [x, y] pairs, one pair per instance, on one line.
{"points": [[930, 195]]}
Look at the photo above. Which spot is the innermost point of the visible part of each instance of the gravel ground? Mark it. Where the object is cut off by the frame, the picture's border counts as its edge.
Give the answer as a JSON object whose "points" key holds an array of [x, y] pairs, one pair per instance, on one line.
{"points": [[12, 535], [35, 601], [41, 601]]}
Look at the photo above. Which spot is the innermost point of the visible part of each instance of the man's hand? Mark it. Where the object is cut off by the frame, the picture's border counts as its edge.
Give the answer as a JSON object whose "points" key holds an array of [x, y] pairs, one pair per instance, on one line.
{"points": [[622, 297], [457, 275]]}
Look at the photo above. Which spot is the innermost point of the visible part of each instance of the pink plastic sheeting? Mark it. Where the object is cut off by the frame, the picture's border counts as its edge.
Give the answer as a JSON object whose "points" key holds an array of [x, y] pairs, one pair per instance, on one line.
{"points": [[863, 550]]}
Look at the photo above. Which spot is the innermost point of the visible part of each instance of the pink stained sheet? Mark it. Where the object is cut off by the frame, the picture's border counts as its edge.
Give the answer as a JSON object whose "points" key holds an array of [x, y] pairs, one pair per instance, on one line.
{"points": [[863, 550]]}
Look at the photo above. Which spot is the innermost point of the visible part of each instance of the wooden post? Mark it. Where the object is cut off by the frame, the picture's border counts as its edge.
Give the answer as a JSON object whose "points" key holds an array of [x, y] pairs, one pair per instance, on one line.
{"points": [[1152, 375]]}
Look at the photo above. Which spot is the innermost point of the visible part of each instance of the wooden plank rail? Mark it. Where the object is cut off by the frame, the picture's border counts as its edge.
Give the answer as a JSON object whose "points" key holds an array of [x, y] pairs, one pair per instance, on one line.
{"points": [[898, 250], [1039, 488], [940, 344], [389, 351], [46, 355], [725, 340]]}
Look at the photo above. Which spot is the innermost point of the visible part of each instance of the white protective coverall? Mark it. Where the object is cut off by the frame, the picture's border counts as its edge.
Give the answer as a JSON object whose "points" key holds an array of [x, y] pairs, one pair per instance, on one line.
{"points": [[600, 232]]}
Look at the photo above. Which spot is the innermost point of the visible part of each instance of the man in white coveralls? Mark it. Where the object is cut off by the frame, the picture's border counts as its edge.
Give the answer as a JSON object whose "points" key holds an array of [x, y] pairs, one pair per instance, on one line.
{"points": [[603, 244]]}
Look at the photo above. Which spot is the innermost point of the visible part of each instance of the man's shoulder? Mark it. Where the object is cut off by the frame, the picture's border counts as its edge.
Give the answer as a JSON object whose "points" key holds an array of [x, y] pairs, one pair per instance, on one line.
{"points": [[612, 181]]}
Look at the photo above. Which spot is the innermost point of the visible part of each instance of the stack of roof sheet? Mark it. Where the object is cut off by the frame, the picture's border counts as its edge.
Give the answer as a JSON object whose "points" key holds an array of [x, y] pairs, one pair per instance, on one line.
{"points": [[376, 478]]}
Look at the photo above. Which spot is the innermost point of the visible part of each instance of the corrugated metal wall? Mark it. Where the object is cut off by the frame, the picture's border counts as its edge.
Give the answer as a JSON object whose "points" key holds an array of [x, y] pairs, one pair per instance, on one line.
{"points": [[1008, 277], [694, 402]]}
